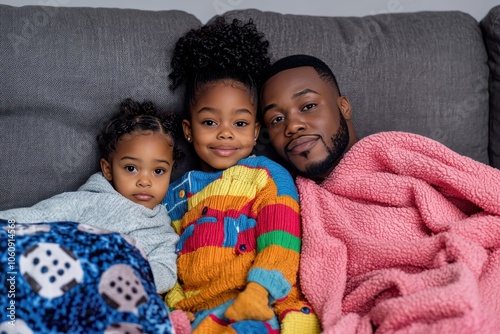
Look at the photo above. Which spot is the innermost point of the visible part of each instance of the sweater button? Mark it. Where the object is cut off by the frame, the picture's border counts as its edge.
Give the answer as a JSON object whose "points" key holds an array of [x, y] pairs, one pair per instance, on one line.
{"points": [[204, 211], [305, 310], [182, 193]]}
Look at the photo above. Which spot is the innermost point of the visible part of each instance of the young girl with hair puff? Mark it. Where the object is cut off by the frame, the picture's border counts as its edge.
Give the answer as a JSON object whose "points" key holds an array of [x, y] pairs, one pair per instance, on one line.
{"points": [[138, 154], [238, 215]]}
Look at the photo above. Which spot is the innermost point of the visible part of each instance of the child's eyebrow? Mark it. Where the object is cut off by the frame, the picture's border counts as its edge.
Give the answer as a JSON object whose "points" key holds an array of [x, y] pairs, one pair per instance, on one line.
{"points": [[214, 110], [165, 161], [244, 111], [137, 159], [206, 109], [130, 158]]}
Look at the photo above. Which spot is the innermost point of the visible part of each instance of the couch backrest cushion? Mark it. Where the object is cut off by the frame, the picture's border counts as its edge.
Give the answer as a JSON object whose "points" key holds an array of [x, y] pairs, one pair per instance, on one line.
{"points": [[423, 72], [490, 26], [64, 70]]}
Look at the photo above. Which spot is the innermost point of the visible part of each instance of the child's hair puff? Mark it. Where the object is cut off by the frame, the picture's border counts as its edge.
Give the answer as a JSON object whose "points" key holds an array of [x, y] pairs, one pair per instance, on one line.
{"points": [[219, 50], [135, 117]]}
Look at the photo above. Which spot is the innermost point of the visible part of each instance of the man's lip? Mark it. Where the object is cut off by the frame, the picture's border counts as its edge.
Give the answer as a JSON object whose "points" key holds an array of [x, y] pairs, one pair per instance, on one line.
{"points": [[302, 144], [143, 197]]}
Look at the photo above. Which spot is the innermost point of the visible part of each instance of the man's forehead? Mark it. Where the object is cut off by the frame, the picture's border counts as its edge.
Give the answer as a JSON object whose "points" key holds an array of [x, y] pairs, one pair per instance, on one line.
{"points": [[294, 71], [293, 77], [293, 61], [293, 82]]}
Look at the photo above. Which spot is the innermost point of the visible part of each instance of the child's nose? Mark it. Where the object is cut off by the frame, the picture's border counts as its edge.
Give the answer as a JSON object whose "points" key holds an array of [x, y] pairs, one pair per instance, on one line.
{"points": [[144, 180], [225, 133]]}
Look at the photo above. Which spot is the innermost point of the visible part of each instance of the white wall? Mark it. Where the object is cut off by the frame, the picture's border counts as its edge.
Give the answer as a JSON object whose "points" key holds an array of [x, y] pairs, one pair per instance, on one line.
{"points": [[205, 9]]}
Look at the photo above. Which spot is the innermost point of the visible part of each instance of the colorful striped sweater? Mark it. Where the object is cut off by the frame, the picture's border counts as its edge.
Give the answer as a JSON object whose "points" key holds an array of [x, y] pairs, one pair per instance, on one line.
{"points": [[236, 226]]}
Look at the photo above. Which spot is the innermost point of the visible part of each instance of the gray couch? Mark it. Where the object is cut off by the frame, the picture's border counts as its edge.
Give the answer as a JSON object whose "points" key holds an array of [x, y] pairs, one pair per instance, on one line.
{"points": [[63, 70]]}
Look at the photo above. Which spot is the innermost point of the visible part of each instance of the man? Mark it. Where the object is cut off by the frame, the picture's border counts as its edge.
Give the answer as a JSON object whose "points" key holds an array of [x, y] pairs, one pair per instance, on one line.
{"points": [[308, 120], [400, 234]]}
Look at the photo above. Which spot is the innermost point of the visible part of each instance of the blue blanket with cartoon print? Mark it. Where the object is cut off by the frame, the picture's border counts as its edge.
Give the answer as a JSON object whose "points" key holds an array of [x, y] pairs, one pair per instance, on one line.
{"points": [[65, 277]]}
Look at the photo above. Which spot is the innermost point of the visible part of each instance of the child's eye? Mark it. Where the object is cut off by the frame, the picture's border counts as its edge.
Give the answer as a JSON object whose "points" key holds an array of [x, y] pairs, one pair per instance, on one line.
{"points": [[130, 169], [241, 123], [159, 171], [208, 122]]}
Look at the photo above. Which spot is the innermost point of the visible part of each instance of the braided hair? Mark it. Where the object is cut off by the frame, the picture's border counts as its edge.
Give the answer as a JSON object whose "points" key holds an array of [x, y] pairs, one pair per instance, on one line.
{"points": [[135, 117], [219, 51]]}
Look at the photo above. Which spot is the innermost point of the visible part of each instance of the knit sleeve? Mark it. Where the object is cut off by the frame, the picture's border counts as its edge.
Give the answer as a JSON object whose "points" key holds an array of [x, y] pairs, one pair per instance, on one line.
{"points": [[176, 202], [278, 233], [61, 207], [158, 241], [296, 314], [276, 266]]}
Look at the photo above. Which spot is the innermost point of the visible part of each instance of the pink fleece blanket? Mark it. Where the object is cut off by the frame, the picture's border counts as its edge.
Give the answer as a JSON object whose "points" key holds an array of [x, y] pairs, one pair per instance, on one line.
{"points": [[403, 237]]}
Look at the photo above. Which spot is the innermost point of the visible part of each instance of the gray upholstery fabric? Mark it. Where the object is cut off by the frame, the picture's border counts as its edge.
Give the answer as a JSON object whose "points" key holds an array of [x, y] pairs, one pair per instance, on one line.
{"points": [[418, 72], [490, 26], [63, 70]]}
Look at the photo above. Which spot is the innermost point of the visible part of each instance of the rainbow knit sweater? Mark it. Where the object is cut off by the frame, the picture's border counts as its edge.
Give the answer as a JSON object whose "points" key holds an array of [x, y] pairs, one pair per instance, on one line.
{"points": [[238, 225]]}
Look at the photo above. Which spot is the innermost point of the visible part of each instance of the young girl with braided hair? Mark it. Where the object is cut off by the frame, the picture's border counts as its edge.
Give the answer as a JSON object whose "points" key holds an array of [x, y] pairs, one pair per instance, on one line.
{"points": [[238, 215]]}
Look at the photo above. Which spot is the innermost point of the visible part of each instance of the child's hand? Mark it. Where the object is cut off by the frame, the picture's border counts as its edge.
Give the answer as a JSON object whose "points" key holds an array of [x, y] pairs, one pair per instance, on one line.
{"points": [[190, 316], [251, 304]]}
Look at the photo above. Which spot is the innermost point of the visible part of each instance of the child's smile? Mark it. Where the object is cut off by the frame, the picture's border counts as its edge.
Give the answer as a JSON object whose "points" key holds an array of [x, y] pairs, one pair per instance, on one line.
{"points": [[224, 150], [223, 125]]}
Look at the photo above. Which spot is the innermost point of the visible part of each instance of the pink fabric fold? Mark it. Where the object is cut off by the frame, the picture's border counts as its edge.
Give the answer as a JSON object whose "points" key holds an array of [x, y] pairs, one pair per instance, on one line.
{"points": [[403, 237]]}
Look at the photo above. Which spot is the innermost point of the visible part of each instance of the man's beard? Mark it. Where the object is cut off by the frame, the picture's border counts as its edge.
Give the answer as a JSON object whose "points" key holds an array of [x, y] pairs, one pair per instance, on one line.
{"points": [[340, 141]]}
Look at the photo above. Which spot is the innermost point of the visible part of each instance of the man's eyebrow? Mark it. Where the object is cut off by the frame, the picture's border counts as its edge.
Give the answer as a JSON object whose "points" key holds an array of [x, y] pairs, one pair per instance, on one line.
{"points": [[266, 108], [304, 92], [294, 96]]}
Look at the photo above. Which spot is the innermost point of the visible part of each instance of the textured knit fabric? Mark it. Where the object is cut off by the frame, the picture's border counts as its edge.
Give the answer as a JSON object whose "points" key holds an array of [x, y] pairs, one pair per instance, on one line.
{"points": [[236, 226], [98, 204]]}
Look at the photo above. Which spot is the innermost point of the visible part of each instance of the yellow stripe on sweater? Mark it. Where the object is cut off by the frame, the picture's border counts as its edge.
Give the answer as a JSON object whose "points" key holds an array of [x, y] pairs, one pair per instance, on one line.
{"points": [[233, 182]]}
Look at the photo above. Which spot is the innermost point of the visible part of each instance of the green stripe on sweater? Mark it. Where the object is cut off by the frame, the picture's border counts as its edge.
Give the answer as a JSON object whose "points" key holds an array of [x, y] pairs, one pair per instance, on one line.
{"points": [[281, 238]]}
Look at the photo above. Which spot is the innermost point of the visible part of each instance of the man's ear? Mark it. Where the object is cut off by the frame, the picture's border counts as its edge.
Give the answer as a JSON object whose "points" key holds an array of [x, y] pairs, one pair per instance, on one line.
{"points": [[345, 107], [186, 128], [106, 169], [256, 132]]}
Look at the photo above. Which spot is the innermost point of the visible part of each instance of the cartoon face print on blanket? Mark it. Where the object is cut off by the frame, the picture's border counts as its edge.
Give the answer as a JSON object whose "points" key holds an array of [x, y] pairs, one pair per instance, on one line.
{"points": [[65, 277]]}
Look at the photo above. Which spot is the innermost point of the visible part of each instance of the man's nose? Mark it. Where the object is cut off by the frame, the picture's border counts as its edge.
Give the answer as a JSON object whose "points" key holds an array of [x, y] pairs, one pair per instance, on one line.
{"points": [[294, 124]]}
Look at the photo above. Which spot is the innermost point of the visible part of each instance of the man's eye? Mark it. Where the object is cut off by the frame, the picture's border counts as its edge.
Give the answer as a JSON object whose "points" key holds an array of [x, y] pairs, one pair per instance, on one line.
{"points": [[130, 169], [309, 106], [277, 119], [159, 171]]}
